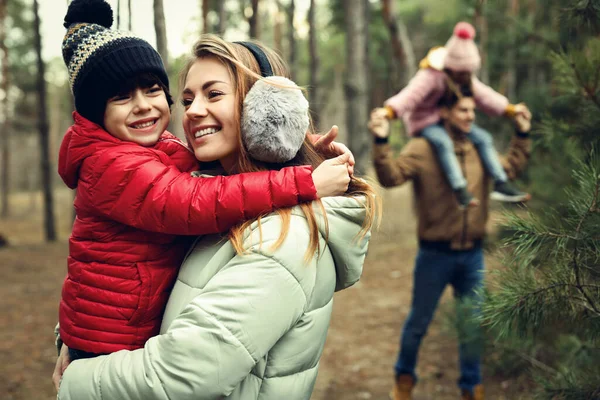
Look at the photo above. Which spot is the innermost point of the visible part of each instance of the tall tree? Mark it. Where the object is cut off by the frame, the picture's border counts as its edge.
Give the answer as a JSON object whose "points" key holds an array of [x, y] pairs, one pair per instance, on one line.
{"points": [[4, 112], [550, 293], [403, 54], [46, 177], [118, 14], [204, 9], [314, 61], [253, 21], [222, 17], [129, 25], [291, 14], [161, 31], [511, 53], [356, 80], [482, 29], [277, 28]]}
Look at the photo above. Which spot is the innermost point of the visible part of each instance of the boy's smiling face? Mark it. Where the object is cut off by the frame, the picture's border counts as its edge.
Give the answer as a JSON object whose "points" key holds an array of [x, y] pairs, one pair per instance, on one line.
{"points": [[140, 116]]}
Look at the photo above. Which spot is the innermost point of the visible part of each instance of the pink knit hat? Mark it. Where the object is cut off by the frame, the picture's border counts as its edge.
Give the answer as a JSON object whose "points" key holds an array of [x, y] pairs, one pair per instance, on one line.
{"points": [[463, 54]]}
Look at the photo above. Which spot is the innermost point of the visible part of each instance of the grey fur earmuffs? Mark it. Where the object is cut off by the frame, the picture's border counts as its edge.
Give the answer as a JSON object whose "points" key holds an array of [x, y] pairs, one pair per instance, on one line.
{"points": [[275, 114]]}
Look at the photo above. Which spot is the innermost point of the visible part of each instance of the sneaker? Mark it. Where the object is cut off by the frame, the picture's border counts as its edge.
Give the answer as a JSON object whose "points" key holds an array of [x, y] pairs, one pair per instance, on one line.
{"points": [[465, 198], [507, 192]]}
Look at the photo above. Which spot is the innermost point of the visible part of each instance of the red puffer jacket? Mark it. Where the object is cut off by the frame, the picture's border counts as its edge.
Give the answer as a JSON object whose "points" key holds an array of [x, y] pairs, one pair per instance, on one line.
{"points": [[131, 202]]}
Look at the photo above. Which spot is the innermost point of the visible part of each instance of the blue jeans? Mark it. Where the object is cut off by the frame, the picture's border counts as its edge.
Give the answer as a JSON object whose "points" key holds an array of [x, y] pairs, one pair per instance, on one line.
{"points": [[434, 269], [444, 147]]}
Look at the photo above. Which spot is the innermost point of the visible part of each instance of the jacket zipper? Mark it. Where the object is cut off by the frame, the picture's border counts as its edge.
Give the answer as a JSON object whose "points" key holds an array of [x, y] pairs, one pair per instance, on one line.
{"points": [[466, 210]]}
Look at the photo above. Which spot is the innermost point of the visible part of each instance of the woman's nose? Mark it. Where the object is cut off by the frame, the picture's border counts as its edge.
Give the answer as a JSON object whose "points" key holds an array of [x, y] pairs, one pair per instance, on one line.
{"points": [[197, 109]]}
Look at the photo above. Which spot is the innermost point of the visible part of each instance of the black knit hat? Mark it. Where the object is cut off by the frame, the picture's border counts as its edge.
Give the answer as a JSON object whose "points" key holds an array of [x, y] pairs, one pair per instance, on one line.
{"points": [[100, 59]]}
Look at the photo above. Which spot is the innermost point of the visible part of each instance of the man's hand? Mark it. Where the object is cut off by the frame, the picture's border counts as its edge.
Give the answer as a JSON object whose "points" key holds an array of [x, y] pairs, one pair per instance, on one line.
{"points": [[326, 145], [62, 363], [331, 178], [379, 126]]}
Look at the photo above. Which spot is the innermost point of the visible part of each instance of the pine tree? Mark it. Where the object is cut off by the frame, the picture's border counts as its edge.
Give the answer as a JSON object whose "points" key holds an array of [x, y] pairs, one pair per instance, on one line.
{"points": [[549, 293]]}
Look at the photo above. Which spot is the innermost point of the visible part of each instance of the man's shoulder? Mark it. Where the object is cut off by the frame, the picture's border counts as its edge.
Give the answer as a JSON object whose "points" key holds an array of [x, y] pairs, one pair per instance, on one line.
{"points": [[418, 145]]}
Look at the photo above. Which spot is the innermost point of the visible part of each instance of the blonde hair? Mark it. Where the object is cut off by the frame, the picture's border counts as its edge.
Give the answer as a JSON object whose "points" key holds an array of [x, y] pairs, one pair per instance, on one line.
{"points": [[245, 71]]}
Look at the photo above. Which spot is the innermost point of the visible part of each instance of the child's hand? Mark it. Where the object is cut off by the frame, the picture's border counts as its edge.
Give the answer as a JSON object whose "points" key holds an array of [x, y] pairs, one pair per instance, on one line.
{"points": [[379, 125], [522, 123], [62, 363], [522, 110], [326, 145], [331, 178]]}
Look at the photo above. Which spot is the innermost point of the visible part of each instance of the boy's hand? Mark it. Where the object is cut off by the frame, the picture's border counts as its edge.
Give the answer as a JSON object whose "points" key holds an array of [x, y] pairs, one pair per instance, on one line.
{"points": [[326, 145], [379, 126], [331, 178], [522, 123], [62, 363]]}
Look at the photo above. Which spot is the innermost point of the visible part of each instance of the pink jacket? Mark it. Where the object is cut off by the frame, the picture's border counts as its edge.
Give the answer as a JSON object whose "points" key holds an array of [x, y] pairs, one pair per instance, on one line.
{"points": [[417, 102]]}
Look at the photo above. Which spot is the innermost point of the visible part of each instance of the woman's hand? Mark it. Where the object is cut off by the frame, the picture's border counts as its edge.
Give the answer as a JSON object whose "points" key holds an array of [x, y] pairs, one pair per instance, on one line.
{"points": [[326, 145], [62, 363], [331, 178], [379, 126]]}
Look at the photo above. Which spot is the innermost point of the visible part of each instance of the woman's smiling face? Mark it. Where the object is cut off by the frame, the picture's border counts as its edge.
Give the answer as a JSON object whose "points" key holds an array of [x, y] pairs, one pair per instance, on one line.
{"points": [[209, 121]]}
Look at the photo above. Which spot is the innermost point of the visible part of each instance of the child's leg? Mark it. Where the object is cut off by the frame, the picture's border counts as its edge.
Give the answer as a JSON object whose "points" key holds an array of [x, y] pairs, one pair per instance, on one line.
{"points": [[444, 148], [503, 189], [489, 157]]}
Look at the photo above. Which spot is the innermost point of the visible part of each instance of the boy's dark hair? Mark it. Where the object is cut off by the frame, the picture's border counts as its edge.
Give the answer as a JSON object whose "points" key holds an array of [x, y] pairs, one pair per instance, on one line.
{"points": [[453, 94], [143, 81]]}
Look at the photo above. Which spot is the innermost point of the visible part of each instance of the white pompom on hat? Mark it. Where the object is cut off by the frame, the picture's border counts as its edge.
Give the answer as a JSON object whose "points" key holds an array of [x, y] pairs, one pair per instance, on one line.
{"points": [[462, 53]]}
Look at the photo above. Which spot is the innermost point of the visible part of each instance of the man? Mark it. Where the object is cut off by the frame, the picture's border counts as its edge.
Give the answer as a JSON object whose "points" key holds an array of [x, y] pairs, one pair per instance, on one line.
{"points": [[450, 248]]}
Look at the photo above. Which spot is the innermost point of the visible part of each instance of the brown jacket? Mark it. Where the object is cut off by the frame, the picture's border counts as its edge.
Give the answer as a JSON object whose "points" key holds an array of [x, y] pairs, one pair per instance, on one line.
{"points": [[440, 218]]}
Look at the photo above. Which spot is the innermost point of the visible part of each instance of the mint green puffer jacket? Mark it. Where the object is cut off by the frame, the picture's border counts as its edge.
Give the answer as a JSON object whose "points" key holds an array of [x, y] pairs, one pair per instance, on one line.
{"points": [[249, 326]]}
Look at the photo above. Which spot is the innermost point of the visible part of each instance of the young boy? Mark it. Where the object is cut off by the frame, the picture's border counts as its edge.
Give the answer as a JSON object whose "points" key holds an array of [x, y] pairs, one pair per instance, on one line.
{"points": [[454, 65], [134, 188]]}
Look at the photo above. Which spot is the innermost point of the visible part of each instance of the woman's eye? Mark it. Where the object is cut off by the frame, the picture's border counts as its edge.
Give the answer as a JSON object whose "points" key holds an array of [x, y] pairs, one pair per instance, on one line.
{"points": [[214, 93], [155, 89], [186, 102]]}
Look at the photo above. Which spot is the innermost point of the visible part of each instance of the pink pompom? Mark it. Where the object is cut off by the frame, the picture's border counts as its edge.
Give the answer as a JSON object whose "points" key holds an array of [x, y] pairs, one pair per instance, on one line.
{"points": [[464, 30]]}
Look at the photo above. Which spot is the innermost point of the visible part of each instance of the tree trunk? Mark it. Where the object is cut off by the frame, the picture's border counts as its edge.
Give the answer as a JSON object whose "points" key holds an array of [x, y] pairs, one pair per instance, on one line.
{"points": [[118, 14], [205, 6], [254, 20], [45, 176], [511, 53], [314, 63], [161, 32], [129, 25], [277, 28], [5, 113], [400, 46], [482, 30], [291, 12], [356, 82], [222, 17]]}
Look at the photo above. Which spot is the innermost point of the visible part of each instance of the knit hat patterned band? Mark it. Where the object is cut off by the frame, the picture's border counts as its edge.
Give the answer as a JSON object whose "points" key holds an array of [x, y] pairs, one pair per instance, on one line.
{"points": [[100, 59], [462, 53]]}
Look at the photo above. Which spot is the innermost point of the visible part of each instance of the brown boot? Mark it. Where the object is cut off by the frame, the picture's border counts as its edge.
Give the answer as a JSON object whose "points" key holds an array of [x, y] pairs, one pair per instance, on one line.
{"points": [[476, 394], [403, 388]]}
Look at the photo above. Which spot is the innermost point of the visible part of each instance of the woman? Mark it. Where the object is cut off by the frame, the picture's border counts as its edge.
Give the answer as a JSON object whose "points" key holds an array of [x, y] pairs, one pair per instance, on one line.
{"points": [[248, 316]]}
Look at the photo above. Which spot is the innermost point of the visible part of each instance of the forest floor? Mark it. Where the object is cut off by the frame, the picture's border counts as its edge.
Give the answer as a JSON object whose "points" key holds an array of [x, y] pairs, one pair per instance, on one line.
{"points": [[362, 343]]}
